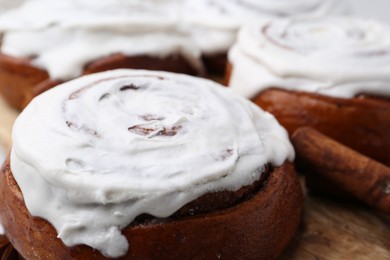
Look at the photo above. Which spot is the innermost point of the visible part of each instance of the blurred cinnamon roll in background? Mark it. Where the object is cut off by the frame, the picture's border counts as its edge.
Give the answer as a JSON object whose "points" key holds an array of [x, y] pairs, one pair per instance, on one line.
{"points": [[46, 42], [331, 73], [214, 23]]}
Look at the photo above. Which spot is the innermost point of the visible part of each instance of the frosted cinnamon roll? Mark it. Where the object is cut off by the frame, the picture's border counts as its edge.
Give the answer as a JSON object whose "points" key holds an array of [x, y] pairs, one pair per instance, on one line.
{"points": [[331, 73], [59, 40], [215, 22], [139, 164]]}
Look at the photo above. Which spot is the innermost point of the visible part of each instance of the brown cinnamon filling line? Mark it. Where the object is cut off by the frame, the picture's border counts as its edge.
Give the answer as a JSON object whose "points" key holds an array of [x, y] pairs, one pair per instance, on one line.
{"points": [[129, 87], [124, 88], [164, 131]]}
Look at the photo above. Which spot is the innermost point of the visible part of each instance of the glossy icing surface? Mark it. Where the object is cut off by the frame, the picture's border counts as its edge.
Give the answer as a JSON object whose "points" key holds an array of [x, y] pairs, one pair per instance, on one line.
{"points": [[96, 29], [81, 31], [334, 56], [215, 22]]}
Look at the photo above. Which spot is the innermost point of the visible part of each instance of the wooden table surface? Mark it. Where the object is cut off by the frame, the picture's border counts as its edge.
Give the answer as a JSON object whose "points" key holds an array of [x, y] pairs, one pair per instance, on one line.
{"points": [[330, 229], [334, 229]]}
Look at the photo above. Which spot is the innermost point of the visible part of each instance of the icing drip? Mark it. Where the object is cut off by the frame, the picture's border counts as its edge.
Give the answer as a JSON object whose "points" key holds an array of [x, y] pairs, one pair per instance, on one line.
{"points": [[2, 230], [334, 56], [114, 145], [96, 29], [215, 22]]}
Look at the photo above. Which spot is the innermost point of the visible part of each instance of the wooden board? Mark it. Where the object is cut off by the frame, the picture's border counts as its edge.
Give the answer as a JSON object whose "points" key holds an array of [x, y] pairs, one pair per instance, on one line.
{"points": [[330, 229], [334, 229]]}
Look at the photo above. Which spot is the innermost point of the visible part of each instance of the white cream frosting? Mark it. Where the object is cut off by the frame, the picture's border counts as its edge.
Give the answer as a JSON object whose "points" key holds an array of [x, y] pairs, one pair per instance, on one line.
{"points": [[2, 230], [373, 9], [94, 153], [334, 56], [64, 36], [214, 23]]}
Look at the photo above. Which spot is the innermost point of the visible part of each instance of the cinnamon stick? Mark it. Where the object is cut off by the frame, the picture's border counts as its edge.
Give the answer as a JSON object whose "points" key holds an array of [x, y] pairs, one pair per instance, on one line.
{"points": [[360, 176]]}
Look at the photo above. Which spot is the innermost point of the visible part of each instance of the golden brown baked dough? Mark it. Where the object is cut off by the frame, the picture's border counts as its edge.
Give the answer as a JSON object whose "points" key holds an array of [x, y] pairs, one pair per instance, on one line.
{"points": [[18, 78], [20, 81], [361, 123], [258, 226]]}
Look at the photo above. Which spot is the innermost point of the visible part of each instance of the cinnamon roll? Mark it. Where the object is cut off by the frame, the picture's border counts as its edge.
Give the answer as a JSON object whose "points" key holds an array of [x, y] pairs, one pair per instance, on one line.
{"points": [[148, 165], [330, 73], [214, 23], [46, 42]]}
